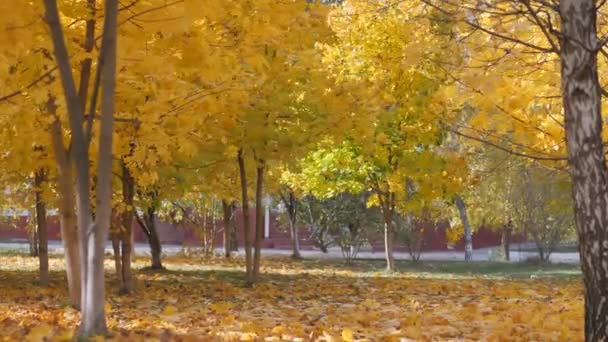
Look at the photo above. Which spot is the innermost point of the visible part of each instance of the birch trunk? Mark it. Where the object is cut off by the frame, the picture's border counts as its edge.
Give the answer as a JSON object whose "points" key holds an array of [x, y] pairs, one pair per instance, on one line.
{"points": [[586, 155]]}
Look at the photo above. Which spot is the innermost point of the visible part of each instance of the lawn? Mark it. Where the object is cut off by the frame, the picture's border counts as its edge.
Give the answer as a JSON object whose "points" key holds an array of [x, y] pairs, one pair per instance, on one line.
{"points": [[198, 299]]}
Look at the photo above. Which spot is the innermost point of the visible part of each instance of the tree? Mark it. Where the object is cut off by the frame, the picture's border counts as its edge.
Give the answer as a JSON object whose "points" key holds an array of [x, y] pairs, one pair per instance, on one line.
{"points": [[147, 221], [394, 61], [288, 199], [41, 227], [468, 240], [566, 31], [122, 235], [93, 233]]}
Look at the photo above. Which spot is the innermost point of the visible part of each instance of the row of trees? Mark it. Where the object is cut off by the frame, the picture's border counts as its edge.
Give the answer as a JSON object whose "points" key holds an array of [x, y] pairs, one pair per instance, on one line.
{"points": [[238, 99]]}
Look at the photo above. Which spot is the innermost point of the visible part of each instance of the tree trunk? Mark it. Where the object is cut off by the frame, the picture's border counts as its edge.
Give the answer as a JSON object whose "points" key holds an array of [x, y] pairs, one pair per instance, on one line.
{"points": [[468, 237], [586, 155], [506, 240], [213, 226], [293, 226], [93, 320], [233, 237], [246, 225], [128, 192], [388, 245], [41, 227], [33, 240], [115, 237], [69, 234], [259, 220], [389, 234], [227, 211], [67, 214], [295, 240], [153, 239]]}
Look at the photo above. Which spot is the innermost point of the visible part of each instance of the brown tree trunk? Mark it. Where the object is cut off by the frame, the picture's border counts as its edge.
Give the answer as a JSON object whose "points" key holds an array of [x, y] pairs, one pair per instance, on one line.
{"points": [[246, 225], [227, 211], [468, 237], [259, 220], [581, 94], [41, 227]]}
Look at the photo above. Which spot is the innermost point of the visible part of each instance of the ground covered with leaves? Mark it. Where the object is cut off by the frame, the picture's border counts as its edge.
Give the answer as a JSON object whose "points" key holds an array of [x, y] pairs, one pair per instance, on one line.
{"points": [[199, 299]]}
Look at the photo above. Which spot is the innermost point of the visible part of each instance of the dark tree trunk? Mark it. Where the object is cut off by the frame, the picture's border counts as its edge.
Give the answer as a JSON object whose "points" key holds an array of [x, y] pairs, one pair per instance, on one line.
{"points": [[259, 220], [293, 226], [115, 237], [126, 248], [153, 239], [33, 241], [246, 225], [506, 240], [581, 94], [468, 237], [227, 211], [41, 227], [234, 241]]}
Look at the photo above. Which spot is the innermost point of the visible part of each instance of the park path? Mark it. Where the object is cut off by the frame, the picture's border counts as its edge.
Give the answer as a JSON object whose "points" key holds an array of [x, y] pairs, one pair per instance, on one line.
{"points": [[484, 254]]}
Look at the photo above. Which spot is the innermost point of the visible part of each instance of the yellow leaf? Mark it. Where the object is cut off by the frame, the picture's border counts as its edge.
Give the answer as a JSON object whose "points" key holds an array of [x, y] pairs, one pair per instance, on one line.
{"points": [[278, 330], [347, 335], [39, 333], [169, 310], [247, 337]]}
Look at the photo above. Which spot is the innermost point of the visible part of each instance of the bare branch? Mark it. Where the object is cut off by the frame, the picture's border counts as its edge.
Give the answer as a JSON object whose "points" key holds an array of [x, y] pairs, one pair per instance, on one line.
{"points": [[504, 149], [29, 85]]}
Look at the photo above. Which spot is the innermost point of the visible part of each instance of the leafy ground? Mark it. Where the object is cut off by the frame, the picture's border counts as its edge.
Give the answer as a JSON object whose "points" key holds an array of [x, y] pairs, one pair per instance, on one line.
{"points": [[200, 299]]}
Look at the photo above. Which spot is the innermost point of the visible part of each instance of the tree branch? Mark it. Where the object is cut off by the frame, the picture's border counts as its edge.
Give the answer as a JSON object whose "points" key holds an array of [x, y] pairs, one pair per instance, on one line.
{"points": [[504, 149]]}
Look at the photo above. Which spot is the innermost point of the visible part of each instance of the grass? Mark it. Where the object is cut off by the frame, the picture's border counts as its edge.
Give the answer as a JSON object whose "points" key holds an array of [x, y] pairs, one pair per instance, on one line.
{"points": [[453, 269]]}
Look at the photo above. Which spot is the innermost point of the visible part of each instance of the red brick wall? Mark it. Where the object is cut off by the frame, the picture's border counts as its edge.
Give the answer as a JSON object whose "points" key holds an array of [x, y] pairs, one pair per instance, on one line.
{"points": [[171, 233]]}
